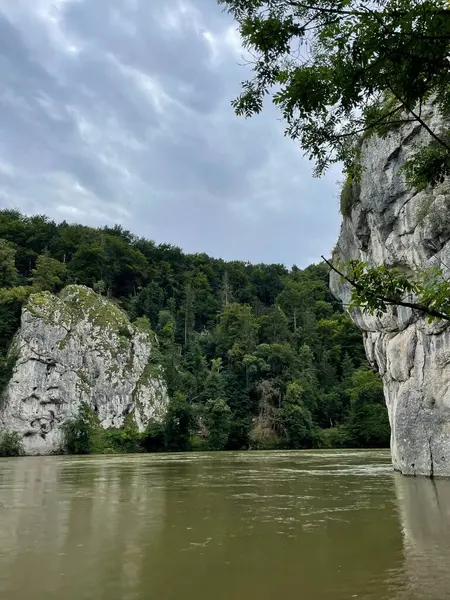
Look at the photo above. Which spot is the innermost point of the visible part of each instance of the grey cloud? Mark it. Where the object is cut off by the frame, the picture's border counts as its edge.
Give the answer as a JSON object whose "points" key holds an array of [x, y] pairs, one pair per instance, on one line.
{"points": [[178, 57], [119, 110]]}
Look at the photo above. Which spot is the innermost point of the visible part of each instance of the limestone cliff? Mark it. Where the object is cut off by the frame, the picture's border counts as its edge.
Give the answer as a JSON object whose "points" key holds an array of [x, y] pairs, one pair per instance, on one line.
{"points": [[393, 225], [73, 348]]}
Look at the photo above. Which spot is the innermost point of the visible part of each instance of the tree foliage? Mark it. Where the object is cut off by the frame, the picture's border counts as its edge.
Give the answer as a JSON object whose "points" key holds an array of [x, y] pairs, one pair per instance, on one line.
{"points": [[9, 275], [82, 433], [218, 423], [342, 68], [178, 423], [376, 288], [255, 356], [10, 444], [49, 273], [368, 423], [340, 71]]}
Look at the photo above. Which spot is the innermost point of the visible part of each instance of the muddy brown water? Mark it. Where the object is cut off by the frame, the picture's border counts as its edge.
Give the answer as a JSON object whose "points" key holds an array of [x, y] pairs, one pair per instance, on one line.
{"points": [[323, 525]]}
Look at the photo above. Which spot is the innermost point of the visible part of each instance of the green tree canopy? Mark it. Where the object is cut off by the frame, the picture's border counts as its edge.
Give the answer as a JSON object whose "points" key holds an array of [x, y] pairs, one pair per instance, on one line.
{"points": [[49, 273], [237, 331], [179, 421], [368, 424], [88, 264], [9, 275], [218, 423], [241, 369]]}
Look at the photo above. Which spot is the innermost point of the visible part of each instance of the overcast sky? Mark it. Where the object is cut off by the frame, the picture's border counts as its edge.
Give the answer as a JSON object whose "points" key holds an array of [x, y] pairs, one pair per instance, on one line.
{"points": [[119, 111]]}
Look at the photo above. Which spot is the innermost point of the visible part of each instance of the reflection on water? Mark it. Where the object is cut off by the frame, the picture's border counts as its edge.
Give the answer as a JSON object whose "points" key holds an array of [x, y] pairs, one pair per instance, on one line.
{"points": [[224, 526], [425, 514]]}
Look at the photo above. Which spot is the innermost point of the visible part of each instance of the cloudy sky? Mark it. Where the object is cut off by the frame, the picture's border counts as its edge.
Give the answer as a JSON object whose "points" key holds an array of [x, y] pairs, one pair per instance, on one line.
{"points": [[119, 111]]}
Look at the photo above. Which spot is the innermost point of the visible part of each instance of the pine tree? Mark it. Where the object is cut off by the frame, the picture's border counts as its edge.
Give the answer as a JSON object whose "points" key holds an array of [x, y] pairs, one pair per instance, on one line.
{"points": [[189, 312], [226, 291], [9, 275]]}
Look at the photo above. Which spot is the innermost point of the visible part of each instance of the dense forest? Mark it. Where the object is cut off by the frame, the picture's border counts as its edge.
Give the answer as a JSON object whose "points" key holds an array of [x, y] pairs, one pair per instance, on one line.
{"points": [[255, 356]]}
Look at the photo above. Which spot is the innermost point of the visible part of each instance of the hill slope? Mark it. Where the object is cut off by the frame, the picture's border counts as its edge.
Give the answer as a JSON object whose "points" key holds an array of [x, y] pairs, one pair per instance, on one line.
{"points": [[254, 355]]}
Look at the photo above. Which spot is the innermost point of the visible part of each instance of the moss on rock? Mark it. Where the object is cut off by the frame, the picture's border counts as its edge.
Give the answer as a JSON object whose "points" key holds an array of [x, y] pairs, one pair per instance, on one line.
{"points": [[81, 302]]}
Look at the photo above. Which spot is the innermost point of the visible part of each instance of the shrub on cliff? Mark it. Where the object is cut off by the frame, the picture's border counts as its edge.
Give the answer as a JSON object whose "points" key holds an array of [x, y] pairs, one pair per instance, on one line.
{"points": [[350, 196]]}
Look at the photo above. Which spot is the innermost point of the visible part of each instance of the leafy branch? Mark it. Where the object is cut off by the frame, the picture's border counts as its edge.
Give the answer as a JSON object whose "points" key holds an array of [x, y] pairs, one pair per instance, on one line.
{"points": [[354, 56], [376, 288]]}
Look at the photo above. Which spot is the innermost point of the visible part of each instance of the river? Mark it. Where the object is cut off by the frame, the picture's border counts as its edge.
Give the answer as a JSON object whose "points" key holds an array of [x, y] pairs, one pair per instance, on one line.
{"points": [[224, 526]]}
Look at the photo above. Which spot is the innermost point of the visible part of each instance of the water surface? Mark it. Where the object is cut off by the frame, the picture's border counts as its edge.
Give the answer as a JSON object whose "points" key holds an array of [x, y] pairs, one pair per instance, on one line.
{"points": [[224, 526]]}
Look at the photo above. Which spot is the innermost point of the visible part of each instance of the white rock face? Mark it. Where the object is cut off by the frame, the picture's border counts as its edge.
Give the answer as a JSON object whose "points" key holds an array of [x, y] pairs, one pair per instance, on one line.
{"points": [[395, 226], [73, 348]]}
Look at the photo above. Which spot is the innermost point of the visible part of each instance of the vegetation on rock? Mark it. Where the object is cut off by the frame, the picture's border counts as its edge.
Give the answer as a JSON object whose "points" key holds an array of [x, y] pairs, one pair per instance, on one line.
{"points": [[350, 195]]}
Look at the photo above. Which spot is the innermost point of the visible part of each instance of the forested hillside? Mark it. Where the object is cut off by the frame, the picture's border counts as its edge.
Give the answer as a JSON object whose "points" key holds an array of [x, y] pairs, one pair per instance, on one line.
{"points": [[255, 356]]}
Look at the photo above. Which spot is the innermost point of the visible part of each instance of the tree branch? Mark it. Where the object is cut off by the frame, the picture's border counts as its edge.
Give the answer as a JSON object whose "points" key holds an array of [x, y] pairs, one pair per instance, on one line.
{"points": [[357, 13], [325, 10], [421, 121], [372, 126], [414, 306]]}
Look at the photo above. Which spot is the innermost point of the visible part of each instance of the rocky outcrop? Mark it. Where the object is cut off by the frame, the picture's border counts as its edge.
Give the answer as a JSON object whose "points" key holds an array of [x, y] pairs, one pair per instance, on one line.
{"points": [[393, 225], [73, 348]]}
